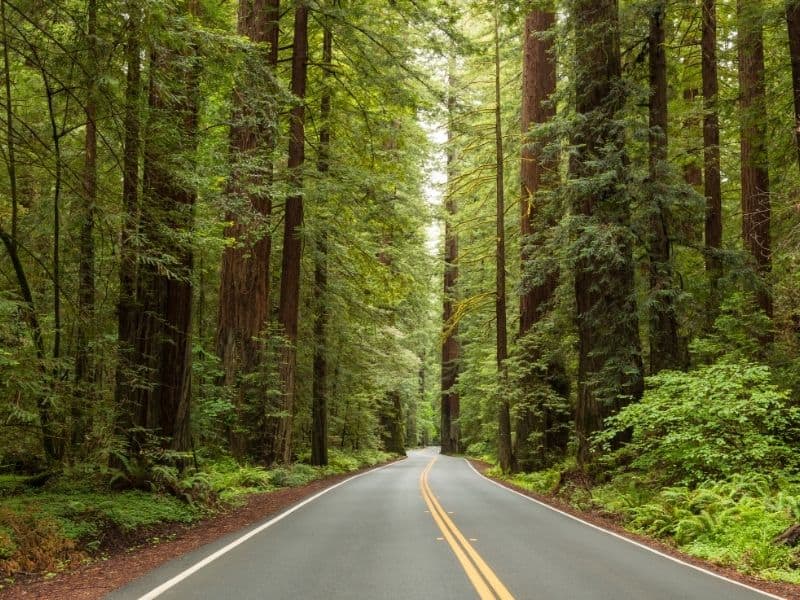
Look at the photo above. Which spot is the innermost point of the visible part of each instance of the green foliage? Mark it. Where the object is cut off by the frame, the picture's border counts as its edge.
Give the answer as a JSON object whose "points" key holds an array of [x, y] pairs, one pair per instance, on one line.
{"points": [[738, 334], [711, 423], [540, 482], [731, 522]]}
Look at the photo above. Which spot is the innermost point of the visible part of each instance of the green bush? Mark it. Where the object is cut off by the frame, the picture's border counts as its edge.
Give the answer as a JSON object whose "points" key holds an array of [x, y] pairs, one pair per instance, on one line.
{"points": [[732, 522], [710, 423]]}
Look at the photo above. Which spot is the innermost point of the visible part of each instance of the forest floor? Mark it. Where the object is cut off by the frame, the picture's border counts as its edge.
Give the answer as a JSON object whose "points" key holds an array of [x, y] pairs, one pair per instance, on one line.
{"points": [[610, 522], [129, 556]]}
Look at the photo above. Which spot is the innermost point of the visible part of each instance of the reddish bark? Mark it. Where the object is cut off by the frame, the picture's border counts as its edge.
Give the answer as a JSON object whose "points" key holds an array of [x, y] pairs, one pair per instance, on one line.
{"points": [[664, 343], [609, 352], [537, 172], [711, 155], [793, 27], [504, 449], [319, 391], [451, 350], [244, 292], [756, 211], [289, 304]]}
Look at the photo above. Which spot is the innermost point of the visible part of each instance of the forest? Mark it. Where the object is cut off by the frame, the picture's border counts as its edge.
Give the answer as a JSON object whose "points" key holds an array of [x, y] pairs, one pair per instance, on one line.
{"points": [[249, 244]]}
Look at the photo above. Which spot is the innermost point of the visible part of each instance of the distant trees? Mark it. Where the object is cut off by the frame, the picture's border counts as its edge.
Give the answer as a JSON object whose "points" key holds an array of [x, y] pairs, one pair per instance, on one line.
{"points": [[450, 406], [153, 153]]}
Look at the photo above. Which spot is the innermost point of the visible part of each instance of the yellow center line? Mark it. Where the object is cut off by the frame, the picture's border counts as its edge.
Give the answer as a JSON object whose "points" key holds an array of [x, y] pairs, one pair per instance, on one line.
{"points": [[483, 579]]}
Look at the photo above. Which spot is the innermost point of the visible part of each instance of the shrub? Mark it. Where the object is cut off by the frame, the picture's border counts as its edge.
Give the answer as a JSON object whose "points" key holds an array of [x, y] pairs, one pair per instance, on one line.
{"points": [[710, 423]]}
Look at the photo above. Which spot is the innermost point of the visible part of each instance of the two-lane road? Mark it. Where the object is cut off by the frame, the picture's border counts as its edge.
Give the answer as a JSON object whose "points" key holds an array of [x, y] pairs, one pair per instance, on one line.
{"points": [[427, 527]]}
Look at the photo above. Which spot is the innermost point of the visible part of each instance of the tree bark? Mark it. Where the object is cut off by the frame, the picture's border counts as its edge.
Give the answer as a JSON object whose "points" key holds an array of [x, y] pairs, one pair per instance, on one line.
{"points": [[609, 350], [756, 213], [125, 395], [289, 304], [84, 376], [504, 450], [163, 311], [319, 392], [451, 349], [793, 23], [537, 172], [244, 291], [711, 157], [664, 343]]}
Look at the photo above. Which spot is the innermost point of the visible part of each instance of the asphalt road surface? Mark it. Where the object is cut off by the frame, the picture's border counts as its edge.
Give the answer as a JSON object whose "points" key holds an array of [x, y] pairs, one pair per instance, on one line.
{"points": [[428, 527]]}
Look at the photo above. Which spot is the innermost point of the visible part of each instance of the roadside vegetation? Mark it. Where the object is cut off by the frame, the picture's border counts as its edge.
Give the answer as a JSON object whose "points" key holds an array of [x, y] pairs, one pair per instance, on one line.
{"points": [[711, 466]]}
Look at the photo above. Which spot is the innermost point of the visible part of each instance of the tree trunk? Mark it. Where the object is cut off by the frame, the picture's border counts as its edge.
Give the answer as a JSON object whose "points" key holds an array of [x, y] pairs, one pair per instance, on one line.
{"points": [[537, 172], [609, 351], [289, 304], [128, 311], [164, 292], [754, 159], [664, 343], [245, 278], [711, 157], [84, 376], [504, 451], [392, 421], [451, 349], [319, 401], [793, 22]]}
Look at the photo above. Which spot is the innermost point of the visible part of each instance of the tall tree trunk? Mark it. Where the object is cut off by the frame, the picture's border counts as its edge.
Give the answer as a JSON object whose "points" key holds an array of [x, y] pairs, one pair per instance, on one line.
{"points": [[84, 376], [451, 349], [319, 392], [245, 278], [754, 159], [609, 350], [125, 395], [664, 343], [537, 172], [504, 451], [164, 295], [289, 304], [693, 169], [793, 23], [711, 156]]}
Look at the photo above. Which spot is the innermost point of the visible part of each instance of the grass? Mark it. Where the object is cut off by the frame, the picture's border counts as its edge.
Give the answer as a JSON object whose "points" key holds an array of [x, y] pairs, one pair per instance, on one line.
{"points": [[43, 529]]}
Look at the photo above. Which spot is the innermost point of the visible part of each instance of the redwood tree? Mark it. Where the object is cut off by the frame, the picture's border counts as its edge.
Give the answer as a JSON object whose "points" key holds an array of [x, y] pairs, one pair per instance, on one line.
{"points": [[245, 278], [161, 332], [711, 154], [319, 392], [504, 449], [538, 172], [793, 23], [280, 447], [664, 343], [609, 350], [451, 349], [756, 211]]}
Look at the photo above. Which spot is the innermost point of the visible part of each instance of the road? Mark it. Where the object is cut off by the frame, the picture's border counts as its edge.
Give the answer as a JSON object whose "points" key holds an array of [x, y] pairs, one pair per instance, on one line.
{"points": [[427, 527]]}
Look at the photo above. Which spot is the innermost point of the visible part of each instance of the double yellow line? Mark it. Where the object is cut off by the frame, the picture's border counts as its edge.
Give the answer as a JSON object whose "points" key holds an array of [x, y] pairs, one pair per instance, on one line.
{"points": [[483, 579]]}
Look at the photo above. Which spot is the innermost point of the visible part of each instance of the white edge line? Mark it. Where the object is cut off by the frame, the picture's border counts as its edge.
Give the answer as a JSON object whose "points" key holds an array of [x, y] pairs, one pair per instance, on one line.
{"points": [[622, 537], [240, 540]]}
